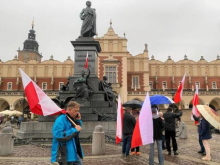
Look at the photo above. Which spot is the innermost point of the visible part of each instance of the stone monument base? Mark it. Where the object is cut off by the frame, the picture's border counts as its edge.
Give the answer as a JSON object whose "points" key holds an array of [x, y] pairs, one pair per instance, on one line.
{"points": [[35, 130], [43, 130]]}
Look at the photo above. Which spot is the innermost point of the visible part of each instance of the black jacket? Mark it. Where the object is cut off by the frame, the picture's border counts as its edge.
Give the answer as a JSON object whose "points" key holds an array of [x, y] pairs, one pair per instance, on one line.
{"points": [[128, 123], [158, 126], [204, 130], [169, 117]]}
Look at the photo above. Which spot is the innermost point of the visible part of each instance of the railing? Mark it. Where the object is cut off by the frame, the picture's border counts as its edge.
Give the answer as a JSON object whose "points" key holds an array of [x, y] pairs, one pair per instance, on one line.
{"points": [[18, 93]]}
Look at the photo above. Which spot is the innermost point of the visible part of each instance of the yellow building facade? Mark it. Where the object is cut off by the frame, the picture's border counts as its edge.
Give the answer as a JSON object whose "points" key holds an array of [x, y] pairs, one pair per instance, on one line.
{"points": [[131, 75]]}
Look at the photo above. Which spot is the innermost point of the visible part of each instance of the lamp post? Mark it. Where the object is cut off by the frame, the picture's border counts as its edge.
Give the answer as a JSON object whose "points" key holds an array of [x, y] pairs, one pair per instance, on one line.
{"points": [[172, 94], [23, 105]]}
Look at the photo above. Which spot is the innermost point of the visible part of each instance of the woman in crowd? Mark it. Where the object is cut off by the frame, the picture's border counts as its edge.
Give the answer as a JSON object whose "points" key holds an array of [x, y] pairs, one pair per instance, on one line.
{"points": [[205, 135]]}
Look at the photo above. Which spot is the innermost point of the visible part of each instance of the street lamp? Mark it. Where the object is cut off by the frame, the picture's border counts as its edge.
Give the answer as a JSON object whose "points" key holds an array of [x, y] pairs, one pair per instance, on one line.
{"points": [[172, 94], [23, 105]]}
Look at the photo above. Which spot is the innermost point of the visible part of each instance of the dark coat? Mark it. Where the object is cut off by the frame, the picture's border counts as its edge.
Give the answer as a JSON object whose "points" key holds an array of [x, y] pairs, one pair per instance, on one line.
{"points": [[204, 130], [158, 126], [169, 117], [128, 124]]}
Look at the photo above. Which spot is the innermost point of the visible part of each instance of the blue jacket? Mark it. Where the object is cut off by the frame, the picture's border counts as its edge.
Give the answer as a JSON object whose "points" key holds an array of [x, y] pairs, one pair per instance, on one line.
{"points": [[204, 130], [61, 125]]}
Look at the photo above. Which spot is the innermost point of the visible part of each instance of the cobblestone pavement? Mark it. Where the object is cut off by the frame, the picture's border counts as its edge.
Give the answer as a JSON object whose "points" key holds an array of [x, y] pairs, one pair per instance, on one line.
{"points": [[40, 155]]}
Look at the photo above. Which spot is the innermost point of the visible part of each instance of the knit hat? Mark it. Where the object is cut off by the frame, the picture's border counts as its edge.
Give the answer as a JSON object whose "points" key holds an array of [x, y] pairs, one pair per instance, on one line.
{"points": [[154, 109]]}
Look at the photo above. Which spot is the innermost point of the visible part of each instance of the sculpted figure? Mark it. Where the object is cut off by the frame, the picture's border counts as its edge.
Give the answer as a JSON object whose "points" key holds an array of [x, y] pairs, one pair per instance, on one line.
{"points": [[65, 87], [105, 86], [88, 15], [82, 86]]}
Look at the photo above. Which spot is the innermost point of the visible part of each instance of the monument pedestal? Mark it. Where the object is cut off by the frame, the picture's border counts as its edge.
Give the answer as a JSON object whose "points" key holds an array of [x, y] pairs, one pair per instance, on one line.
{"points": [[95, 111], [35, 130], [82, 47], [43, 130]]}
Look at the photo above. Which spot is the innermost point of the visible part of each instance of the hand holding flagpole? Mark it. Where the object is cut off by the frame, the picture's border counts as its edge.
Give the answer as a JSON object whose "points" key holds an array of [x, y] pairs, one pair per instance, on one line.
{"points": [[71, 121]]}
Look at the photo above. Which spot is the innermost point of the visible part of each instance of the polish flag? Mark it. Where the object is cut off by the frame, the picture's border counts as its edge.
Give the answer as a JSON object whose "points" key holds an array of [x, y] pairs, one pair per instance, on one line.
{"points": [[119, 121], [195, 102], [143, 131], [38, 101], [87, 58], [178, 95]]}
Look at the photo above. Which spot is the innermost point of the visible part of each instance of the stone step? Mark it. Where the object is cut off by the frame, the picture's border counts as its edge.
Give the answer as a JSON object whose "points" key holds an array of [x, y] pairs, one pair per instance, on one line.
{"points": [[98, 96], [96, 103], [102, 104], [89, 117], [83, 103], [98, 109]]}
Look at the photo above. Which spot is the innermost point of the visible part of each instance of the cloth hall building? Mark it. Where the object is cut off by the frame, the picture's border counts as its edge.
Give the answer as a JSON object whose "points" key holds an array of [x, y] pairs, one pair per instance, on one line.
{"points": [[131, 75]]}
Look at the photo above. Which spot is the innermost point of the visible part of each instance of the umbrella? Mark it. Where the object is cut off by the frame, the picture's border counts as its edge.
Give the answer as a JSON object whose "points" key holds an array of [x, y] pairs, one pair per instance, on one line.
{"points": [[11, 112], [134, 104], [160, 99], [17, 113], [210, 115]]}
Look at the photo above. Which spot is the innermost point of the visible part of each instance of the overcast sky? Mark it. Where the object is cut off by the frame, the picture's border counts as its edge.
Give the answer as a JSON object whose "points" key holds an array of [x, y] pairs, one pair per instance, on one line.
{"points": [[169, 27]]}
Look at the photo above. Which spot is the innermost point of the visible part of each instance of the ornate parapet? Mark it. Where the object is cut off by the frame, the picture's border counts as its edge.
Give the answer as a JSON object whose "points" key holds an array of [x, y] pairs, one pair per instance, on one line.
{"points": [[185, 93], [16, 93]]}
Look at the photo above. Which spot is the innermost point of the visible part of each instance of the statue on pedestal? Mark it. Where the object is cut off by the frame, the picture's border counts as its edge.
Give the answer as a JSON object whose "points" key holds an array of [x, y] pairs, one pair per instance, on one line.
{"points": [[88, 15], [82, 87]]}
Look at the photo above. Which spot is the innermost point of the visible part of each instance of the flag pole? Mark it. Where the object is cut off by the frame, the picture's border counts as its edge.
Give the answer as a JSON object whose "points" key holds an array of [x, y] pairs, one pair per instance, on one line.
{"points": [[71, 121]]}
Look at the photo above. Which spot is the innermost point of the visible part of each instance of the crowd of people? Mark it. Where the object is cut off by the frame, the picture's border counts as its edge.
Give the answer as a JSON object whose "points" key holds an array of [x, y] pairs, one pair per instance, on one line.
{"points": [[66, 148], [164, 131]]}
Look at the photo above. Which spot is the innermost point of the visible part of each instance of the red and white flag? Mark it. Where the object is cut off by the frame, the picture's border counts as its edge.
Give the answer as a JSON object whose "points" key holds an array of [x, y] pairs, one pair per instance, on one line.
{"points": [[143, 131], [195, 102], [87, 59], [38, 101], [178, 95], [119, 121]]}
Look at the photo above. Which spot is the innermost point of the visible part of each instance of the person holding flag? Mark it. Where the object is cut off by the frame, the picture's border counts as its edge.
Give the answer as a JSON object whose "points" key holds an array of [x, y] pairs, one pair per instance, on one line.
{"points": [[143, 131], [66, 148], [136, 150], [65, 130], [128, 125], [196, 117]]}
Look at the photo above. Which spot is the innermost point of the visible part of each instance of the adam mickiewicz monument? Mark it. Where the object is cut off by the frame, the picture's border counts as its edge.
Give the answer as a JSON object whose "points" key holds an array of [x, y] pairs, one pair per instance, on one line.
{"points": [[97, 100]]}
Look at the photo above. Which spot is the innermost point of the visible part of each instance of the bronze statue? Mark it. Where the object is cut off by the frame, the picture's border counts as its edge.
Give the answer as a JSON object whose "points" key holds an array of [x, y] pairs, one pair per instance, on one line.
{"points": [[88, 15], [105, 86], [82, 87], [65, 87]]}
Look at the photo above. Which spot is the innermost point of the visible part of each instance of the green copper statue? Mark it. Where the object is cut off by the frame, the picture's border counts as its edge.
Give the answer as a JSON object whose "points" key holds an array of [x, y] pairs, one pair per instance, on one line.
{"points": [[82, 87], [88, 15]]}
